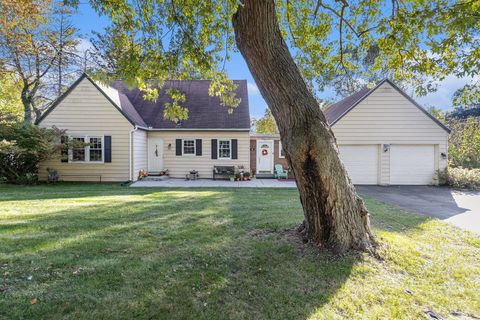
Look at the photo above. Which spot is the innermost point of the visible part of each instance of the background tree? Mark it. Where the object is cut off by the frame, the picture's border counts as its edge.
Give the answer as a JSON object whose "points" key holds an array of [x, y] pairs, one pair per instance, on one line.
{"points": [[32, 48], [266, 124], [10, 103], [466, 103], [464, 142], [64, 39], [437, 113], [415, 39]]}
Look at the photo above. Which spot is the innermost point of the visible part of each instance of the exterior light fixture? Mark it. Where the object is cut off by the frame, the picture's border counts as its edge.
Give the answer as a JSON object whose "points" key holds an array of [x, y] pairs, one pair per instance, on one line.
{"points": [[386, 147]]}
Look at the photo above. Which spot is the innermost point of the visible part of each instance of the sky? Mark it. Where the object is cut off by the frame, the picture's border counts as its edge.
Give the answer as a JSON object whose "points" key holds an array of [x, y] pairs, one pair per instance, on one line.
{"points": [[87, 20]]}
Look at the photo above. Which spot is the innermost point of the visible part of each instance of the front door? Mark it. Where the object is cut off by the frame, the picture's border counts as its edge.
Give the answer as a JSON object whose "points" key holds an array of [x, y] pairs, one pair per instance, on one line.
{"points": [[265, 156], [155, 154]]}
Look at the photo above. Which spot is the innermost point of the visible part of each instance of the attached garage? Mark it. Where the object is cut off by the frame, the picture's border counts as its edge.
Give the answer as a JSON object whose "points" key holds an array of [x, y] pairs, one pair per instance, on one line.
{"points": [[412, 164], [361, 162], [386, 138]]}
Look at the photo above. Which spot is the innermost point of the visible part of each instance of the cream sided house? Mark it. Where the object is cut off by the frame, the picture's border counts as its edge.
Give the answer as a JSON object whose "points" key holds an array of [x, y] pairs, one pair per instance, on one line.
{"points": [[383, 135]]}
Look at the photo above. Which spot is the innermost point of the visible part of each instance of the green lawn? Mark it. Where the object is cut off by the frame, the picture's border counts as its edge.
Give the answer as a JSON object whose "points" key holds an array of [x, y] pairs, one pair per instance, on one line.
{"points": [[104, 251]]}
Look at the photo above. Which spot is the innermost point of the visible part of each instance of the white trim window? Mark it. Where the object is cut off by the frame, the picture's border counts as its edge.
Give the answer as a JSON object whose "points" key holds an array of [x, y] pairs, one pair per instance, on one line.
{"points": [[188, 147], [93, 150], [224, 149], [281, 154], [78, 153]]}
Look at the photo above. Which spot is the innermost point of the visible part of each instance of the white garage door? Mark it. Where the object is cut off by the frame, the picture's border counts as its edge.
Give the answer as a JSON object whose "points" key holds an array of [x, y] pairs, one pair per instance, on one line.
{"points": [[361, 162], [412, 164]]}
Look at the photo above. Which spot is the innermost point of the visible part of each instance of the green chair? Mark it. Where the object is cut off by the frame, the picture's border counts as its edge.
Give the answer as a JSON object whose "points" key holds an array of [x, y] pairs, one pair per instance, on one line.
{"points": [[280, 172]]}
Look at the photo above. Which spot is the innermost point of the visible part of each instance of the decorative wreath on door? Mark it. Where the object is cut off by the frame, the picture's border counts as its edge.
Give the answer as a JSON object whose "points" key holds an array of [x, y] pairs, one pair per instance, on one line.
{"points": [[264, 152]]}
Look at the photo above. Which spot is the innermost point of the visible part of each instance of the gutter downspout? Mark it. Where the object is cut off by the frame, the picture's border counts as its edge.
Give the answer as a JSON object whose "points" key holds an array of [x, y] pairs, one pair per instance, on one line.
{"points": [[130, 152]]}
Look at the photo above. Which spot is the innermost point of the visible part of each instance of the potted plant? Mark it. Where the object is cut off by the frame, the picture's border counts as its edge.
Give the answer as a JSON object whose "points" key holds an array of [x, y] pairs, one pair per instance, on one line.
{"points": [[238, 176], [246, 176], [232, 178]]}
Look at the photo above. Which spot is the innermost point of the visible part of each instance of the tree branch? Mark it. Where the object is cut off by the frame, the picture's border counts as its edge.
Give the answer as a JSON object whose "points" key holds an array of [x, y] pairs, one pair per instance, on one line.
{"points": [[339, 15]]}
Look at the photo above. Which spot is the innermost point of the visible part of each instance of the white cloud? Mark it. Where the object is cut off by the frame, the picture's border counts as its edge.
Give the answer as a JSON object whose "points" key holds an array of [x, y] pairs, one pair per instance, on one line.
{"points": [[252, 88], [442, 98], [84, 45]]}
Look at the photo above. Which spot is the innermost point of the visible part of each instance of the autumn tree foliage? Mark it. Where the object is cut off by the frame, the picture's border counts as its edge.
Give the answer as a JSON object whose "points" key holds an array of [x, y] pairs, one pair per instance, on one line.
{"points": [[36, 44], [266, 124]]}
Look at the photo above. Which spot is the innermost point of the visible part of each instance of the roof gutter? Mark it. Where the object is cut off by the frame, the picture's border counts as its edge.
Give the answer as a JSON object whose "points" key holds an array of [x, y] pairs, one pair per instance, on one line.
{"points": [[191, 129]]}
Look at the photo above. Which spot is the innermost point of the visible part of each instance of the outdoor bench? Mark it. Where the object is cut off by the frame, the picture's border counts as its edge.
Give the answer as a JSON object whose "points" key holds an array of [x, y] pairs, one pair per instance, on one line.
{"points": [[223, 171]]}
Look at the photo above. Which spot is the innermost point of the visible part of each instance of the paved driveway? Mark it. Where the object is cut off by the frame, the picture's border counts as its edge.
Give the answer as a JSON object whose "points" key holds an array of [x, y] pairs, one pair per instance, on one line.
{"points": [[460, 208]]}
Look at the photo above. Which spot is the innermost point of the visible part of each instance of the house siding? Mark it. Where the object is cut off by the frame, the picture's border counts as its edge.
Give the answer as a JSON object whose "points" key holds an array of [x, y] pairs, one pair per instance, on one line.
{"points": [[178, 166], [387, 117], [85, 111], [276, 157], [139, 152]]}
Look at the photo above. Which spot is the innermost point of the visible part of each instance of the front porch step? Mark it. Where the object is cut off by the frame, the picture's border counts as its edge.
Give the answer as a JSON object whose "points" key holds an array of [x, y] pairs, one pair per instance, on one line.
{"points": [[264, 176], [155, 178]]}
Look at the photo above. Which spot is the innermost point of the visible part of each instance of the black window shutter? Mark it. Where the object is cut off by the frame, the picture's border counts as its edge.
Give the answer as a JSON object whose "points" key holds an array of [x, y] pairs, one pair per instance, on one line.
{"points": [[198, 147], [64, 150], [214, 148], [108, 148], [234, 149], [178, 147]]}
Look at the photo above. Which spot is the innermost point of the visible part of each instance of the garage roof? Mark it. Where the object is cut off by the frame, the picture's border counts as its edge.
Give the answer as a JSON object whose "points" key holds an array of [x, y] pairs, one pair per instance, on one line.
{"points": [[338, 110]]}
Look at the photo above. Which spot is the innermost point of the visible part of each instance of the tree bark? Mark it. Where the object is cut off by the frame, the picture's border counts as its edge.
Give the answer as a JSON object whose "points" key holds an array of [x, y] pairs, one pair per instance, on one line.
{"points": [[335, 217], [27, 104]]}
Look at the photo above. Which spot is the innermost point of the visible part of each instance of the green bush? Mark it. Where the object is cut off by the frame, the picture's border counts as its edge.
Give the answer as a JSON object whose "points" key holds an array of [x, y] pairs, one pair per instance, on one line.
{"points": [[22, 147], [461, 178]]}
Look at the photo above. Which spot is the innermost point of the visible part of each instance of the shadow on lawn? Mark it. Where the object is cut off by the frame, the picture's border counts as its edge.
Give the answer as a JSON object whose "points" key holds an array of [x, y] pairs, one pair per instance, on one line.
{"points": [[61, 190], [167, 254]]}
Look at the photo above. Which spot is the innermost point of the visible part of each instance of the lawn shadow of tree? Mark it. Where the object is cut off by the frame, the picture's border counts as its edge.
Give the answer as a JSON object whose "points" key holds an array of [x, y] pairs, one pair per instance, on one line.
{"points": [[164, 253]]}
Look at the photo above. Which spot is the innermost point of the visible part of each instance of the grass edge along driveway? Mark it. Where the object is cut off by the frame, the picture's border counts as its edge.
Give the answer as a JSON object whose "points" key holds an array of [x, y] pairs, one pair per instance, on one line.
{"points": [[103, 251]]}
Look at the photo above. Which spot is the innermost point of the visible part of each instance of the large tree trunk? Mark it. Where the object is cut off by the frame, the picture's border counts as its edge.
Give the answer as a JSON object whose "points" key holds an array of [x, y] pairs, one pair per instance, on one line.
{"points": [[335, 217]]}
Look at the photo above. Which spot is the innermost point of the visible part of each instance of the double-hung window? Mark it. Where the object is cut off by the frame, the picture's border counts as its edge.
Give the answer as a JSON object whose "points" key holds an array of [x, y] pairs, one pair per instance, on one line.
{"points": [[189, 147], [78, 149], [224, 149], [87, 149], [95, 149]]}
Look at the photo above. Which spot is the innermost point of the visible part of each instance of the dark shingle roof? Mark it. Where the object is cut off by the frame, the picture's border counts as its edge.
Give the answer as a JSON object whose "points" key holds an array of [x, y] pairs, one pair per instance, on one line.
{"points": [[130, 110], [204, 111]]}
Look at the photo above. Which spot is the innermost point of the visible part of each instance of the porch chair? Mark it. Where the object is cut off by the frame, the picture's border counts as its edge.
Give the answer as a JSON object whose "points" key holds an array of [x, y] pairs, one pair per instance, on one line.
{"points": [[280, 172]]}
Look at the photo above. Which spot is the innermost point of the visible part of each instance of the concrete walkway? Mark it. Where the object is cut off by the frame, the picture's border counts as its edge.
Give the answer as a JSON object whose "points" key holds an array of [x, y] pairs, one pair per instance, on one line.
{"points": [[208, 183]]}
